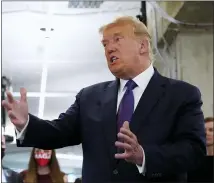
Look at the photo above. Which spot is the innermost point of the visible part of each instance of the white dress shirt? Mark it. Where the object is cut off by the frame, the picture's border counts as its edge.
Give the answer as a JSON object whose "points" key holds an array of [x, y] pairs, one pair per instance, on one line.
{"points": [[141, 80]]}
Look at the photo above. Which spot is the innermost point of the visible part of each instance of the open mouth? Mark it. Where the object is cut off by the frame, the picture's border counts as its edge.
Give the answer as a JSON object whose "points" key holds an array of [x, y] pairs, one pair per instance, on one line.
{"points": [[113, 59]]}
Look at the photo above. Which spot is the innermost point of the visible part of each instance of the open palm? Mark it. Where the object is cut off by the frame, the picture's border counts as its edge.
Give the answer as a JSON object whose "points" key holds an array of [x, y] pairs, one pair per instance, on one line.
{"points": [[17, 110]]}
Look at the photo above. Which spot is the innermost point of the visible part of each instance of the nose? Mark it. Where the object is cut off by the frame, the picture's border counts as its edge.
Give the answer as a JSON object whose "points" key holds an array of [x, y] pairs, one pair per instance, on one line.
{"points": [[110, 48], [110, 51]]}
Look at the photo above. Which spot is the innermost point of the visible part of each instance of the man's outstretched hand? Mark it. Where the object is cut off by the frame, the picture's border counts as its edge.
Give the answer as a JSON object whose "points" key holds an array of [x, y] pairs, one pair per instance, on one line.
{"points": [[128, 141], [17, 110]]}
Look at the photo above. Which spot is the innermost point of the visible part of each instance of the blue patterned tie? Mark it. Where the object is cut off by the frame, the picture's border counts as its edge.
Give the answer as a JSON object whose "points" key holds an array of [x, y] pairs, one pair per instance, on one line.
{"points": [[126, 107]]}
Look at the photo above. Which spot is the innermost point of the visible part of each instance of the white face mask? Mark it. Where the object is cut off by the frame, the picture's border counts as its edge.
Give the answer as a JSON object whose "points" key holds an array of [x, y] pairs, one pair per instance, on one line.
{"points": [[42, 156]]}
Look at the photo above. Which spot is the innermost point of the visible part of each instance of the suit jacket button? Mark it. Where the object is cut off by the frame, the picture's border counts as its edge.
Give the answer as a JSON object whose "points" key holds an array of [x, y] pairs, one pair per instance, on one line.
{"points": [[115, 172]]}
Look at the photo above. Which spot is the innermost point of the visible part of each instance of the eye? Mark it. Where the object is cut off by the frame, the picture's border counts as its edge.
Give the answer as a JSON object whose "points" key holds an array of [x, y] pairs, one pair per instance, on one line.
{"points": [[118, 38], [104, 44]]}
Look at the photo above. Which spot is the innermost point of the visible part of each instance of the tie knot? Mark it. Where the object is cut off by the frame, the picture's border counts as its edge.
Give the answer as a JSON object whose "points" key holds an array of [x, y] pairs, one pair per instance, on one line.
{"points": [[131, 85]]}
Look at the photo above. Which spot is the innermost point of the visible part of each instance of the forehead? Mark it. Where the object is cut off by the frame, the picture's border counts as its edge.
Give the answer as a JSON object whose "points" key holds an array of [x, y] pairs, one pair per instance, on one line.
{"points": [[114, 30], [209, 124]]}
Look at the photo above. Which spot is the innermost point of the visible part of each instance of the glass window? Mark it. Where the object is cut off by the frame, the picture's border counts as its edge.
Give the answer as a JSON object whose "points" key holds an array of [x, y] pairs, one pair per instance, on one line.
{"points": [[56, 105], [23, 74]]}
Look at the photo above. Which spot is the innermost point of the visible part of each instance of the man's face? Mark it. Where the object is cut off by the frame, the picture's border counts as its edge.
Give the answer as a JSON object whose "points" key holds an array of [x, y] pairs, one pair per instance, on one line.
{"points": [[121, 50], [209, 132]]}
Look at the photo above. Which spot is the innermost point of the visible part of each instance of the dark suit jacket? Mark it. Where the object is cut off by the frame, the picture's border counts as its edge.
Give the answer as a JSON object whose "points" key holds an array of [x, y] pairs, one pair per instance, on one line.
{"points": [[12, 176], [204, 173], [168, 123]]}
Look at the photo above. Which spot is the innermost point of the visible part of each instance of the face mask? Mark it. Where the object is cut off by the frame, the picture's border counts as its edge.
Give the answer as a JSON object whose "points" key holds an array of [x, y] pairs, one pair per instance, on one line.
{"points": [[2, 152], [42, 159]]}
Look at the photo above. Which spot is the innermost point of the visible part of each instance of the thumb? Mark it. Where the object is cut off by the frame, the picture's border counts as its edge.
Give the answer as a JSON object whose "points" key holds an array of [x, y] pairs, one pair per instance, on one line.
{"points": [[126, 125], [11, 115]]}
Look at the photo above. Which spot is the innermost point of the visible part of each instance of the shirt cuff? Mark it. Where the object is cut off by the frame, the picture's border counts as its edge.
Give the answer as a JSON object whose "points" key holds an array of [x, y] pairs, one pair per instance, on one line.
{"points": [[21, 134], [142, 169]]}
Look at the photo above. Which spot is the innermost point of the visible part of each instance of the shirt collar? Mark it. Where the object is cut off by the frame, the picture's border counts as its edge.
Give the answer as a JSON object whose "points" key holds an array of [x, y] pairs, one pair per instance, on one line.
{"points": [[141, 80]]}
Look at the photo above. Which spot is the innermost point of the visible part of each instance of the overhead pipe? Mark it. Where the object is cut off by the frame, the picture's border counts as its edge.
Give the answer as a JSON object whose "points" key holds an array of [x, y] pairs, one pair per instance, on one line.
{"points": [[142, 17]]}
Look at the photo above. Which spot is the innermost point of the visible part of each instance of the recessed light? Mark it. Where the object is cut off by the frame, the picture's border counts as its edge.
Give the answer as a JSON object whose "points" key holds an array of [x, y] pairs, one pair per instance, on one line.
{"points": [[44, 29]]}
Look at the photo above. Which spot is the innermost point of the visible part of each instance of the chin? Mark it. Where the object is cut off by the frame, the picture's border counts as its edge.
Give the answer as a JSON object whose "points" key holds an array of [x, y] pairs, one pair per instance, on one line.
{"points": [[116, 74], [120, 75], [119, 72]]}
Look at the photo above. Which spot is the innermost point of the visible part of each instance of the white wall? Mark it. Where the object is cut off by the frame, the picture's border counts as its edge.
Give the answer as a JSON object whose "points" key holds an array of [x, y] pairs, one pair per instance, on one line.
{"points": [[193, 51]]}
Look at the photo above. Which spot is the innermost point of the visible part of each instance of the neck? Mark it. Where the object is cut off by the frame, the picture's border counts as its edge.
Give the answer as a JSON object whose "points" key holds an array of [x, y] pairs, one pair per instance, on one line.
{"points": [[43, 170], [142, 67], [210, 150]]}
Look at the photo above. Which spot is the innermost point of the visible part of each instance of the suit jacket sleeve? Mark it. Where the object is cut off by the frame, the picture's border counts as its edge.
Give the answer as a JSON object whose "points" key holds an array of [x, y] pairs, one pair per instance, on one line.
{"points": [[58, 133], [187, 145], [16, 178]]}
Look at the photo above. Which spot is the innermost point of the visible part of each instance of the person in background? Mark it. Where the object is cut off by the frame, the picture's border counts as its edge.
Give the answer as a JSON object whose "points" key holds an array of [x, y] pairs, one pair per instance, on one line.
{"points": [[8, 175], [141, 127], [209, 121], [204, 173], [43, 168]]}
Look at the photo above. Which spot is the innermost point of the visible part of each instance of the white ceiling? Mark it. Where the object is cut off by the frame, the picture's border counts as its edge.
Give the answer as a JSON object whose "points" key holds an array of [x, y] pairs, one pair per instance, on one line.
{"points": [[74, 45], [61, 7]]}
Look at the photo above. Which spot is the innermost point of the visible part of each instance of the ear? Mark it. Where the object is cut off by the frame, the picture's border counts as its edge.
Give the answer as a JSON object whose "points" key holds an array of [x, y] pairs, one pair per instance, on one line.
{"points": [[144, 46]]}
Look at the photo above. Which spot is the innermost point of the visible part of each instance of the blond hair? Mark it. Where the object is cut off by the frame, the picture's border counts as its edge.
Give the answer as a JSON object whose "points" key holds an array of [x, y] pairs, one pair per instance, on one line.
{"points": [[139, 28]]}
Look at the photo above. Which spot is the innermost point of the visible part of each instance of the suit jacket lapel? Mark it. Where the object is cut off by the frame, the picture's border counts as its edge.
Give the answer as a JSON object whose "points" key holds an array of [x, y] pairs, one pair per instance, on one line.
{"points": [[148, 101], [109, 107]]}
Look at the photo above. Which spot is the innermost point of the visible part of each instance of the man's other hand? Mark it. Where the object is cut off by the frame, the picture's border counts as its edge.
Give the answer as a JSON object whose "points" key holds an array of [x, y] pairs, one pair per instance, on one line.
{"points": [[128, 141]]}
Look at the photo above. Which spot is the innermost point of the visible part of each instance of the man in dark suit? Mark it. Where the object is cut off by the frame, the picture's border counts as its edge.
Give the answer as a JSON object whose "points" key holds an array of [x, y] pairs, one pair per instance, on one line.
{"points": [[8, 175], [142, 127]]}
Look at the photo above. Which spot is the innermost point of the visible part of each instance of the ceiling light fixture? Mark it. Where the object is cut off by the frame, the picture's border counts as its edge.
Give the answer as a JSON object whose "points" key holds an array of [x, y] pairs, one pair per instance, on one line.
{"points": [[47, 31], [44, 29], [84, 4]]}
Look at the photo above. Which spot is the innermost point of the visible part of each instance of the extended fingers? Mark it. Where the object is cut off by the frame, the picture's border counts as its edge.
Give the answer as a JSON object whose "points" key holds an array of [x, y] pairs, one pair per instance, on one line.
{"points": [[124, 155], [6, 105], [125, 138], [9, 97], [122, 145], [23, 93], [128, 133]]}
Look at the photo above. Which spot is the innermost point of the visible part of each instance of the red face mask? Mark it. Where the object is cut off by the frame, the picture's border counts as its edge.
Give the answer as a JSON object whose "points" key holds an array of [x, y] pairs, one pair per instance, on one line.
{"points": [[42, 158]]}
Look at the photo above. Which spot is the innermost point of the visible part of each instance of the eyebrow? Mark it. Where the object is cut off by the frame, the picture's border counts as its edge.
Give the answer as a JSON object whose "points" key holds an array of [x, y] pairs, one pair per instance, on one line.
{"points": [[115, 34], [118, 34]]}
